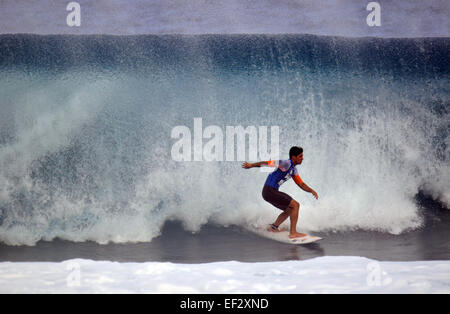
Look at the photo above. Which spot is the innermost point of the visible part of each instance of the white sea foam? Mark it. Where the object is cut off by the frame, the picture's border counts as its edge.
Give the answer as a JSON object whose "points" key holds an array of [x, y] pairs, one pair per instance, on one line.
{"points": [[319, 275]]}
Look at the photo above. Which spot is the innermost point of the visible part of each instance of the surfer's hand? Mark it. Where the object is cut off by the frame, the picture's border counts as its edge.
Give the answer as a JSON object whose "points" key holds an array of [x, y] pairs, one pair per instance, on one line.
{"points": [[246, 165], [315, 194]]}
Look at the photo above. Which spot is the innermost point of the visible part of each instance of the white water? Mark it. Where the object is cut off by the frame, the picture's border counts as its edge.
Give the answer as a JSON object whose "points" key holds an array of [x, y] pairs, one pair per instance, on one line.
{"points": [[318, 275]]}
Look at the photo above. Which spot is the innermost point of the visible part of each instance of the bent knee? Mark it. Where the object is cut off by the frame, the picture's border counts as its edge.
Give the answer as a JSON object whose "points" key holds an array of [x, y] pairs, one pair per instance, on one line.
{"points": [[294, 205]]}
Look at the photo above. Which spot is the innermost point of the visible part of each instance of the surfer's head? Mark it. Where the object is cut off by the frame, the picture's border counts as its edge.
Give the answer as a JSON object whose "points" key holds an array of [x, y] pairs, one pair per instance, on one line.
{"points": [[296, 155]]}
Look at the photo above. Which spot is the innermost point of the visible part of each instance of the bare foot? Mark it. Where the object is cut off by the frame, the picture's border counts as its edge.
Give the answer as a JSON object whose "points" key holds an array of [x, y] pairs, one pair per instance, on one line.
{"points": [[296, 235]]}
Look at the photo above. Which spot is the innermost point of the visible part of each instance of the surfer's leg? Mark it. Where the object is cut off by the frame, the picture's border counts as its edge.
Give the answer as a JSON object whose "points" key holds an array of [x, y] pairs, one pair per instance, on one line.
{"points": [[287, 204], [279, 200], [282, 217], [294, 208]]}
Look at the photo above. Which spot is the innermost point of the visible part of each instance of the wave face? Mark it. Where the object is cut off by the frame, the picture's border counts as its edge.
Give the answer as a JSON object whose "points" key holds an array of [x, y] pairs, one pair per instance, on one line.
{"points": [[86, 122]]}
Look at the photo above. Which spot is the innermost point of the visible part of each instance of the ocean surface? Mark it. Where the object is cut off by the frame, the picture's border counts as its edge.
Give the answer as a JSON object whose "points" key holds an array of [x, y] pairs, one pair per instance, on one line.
{"points": [[86, 163]]}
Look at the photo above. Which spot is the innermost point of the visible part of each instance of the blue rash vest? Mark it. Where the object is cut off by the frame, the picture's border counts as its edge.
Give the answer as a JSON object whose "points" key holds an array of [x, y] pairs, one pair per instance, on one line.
{"points": [[285, 170]]}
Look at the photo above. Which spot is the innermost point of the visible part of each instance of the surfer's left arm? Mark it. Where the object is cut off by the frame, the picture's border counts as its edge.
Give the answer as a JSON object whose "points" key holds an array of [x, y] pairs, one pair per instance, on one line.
{"points": [[304, 186]]}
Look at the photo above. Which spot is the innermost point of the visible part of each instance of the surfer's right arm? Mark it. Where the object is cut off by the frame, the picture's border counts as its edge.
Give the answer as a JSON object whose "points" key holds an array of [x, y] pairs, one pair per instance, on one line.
{"points": [[269, 163]]}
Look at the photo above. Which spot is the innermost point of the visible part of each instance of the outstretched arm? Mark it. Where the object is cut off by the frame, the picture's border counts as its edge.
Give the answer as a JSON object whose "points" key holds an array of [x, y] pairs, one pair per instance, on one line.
{"points": [[269, 163], [304, 186]]}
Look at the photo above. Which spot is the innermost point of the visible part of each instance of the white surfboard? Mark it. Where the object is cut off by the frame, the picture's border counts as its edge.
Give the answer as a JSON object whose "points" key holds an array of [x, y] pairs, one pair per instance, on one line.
{"points": [[283, 236]]}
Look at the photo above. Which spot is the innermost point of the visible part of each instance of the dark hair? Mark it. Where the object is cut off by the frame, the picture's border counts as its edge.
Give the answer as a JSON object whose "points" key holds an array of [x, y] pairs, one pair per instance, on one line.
{"points": [[295, 151]]}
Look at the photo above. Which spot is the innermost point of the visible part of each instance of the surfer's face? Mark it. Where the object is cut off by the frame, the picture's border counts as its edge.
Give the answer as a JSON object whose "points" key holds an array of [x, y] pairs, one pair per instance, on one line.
{"points": [[297, 159]]}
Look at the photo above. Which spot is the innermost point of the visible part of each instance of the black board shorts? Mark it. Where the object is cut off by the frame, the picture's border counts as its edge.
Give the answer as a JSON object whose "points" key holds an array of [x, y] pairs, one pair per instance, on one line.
{"points": [[276, 198]]}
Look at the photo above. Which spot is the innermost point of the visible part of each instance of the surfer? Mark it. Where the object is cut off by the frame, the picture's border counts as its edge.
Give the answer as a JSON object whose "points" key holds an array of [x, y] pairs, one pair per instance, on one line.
{"points": [[285, 170]]}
